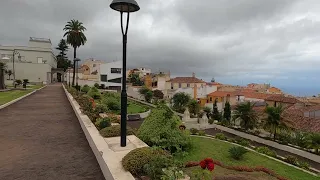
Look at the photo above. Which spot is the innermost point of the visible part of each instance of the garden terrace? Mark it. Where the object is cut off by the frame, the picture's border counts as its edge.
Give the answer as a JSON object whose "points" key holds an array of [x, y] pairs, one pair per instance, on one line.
{"points": [[218, 150]]}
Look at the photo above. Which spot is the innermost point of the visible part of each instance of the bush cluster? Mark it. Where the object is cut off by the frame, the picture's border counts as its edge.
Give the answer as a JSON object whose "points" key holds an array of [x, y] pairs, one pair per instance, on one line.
{"points": [[161, 128], [194, 131], [85, 89], [220, 136], [102, 123], [94, 93], [266, 151], [237, 152], [113, 131]]}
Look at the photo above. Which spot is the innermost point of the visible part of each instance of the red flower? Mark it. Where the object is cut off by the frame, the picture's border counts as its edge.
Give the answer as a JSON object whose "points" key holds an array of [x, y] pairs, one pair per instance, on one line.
{"points": [[203, 164], [210, 166], [208, 160]]}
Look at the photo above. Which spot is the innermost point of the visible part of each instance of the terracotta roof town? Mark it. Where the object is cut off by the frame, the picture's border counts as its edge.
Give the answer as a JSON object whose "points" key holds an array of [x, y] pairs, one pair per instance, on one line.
{"points": [[186, 80]]}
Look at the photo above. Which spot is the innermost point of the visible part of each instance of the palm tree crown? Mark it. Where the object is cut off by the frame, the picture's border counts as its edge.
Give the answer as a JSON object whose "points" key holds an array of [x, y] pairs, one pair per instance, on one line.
{"points": [[274, 121], [74, 32], [248, 117]]}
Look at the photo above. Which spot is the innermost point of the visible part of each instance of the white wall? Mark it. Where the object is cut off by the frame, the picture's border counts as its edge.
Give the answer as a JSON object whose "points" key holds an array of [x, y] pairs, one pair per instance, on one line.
{"points": [[105, 69], [202, 92]]}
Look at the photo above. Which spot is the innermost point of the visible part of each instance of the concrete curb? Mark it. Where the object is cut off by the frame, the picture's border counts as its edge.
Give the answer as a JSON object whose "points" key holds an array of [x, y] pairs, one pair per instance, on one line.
{"points": [[109, 160], [252, 150], [18, 99]]}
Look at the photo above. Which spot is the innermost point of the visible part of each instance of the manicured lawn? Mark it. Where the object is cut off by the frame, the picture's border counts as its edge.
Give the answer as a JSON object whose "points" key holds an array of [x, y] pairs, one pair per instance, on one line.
{"points": [[8, 96], [204, 147], [135, 108]]}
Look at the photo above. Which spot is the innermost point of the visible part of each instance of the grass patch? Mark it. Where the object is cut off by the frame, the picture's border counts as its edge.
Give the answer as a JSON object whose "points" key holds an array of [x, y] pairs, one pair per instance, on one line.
{"points": [[135, 108], [8, 96], [204, 147]]}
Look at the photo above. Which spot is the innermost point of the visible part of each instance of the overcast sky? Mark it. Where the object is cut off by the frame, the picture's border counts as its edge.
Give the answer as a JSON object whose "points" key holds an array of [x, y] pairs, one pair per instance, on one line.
{"points": [[235, 41]]}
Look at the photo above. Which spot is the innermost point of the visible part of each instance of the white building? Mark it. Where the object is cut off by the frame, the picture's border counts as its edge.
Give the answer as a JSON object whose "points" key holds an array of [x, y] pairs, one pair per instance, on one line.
{"points": [[201, 92], [35, 62], [111, 74]]}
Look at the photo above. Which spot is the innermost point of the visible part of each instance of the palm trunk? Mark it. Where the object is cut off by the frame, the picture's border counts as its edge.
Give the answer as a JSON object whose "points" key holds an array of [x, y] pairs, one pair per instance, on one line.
{"points": [[2, 86], [74, 64], [274, 134]]}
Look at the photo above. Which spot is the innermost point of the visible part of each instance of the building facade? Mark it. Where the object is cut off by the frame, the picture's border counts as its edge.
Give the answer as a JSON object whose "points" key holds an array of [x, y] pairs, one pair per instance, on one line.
{"points": [[34, 62], [111, 74]]}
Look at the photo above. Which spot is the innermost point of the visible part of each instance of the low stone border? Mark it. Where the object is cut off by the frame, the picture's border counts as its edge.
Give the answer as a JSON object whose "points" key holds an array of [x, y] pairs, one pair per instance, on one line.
{"points": [[107, 151], [143, 115], [212, 137], [19, 98]]}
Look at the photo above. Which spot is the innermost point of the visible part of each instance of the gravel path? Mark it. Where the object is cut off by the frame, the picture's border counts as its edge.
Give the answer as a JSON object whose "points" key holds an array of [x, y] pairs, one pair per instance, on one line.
{"points": [[40, 138]]}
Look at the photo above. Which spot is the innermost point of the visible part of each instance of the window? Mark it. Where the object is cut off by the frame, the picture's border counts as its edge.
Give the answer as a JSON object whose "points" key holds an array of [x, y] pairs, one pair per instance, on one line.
{"points": [[104, 78], [171, 85], [40, 60], [117, 80], [210, 99], [116, 70], [188, 85], [179, 85]]}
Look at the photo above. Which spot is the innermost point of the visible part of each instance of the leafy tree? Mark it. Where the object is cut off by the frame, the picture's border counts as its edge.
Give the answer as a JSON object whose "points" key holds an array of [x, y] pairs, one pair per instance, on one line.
{"points": [[246, 114], [134, 78], [62, 60], [314, 141], [227, 111], [75, 37], [2, 69], [215, 112], [158, 94], [274, 121], [194, 107], [180, 101], [148, 96], [207, 110]]}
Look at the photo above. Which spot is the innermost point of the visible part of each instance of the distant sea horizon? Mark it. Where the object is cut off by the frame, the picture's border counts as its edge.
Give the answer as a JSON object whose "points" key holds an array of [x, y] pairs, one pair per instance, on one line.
{"points": [[301, 91]]}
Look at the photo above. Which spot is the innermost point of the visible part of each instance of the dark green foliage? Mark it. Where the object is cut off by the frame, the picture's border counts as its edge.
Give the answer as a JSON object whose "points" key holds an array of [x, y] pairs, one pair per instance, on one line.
{"points": [[292, 160], [96, 85], [25, 81], [207, 110], [194, 131], [102, 123], [215, 112], [220, 136], [112, 103], [135, 79], [101, 108], [304, 165], [202, 133], [85, 89], [211, 121], [266, 151], [246, 114], [18, 82], [146, 93], [158, 94], [180, 101], [300, 139], [237, 152], [62, 59], [161, 128], [194, 107], [244, 142], [284, 137], [314, 141], [94, 93], [157, 162], [136, 159], [274, 122], [113, 131], [227, 111]]}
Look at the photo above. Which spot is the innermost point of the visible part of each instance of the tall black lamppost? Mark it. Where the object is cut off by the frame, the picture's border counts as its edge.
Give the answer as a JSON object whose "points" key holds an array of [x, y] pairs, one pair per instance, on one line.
{"points": [[19, 57], [124, 6], [76, 60]]}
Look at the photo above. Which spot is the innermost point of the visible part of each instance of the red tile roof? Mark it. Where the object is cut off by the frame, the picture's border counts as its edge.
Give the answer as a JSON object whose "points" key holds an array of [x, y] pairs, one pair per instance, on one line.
{"points": [[213, 83], [186, 80], [221, 94], [281, 98]]}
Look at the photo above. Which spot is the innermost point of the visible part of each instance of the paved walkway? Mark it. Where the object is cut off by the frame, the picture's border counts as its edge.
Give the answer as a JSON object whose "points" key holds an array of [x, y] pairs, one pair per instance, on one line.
{"points": [[40, 138]]}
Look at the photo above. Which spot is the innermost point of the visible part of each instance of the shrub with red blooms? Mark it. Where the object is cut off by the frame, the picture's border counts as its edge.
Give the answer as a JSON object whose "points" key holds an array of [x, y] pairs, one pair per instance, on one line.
{"points": [[203, 164], [207, 163], [210, 166]]}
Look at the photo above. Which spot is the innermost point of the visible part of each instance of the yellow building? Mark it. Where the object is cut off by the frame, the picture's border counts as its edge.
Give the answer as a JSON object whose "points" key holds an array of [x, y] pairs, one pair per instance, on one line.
{"points": [[184, 82]]}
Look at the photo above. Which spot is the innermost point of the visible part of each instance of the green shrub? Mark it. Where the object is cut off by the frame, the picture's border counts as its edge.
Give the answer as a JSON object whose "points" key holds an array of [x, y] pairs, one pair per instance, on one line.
{"points": [[112, 103], [96, 85], [266, 151], [244, 142], [18, 81], [304, 165], [210, 121], [101, 108], [114, 131], [85, 103], [26, 81], [291, 159], [232, 140], [237, 152], [220, 136], [300, 139], [202, 133], [161, 128], [135, 160], [94, 93], [172, 173], [194, 131], [157, 162], [102, 123], [85, 89]]}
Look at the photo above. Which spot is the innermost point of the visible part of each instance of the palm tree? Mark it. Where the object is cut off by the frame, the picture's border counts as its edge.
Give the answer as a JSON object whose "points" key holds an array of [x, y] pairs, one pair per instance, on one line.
{"points": [[75, 37], [314, 141], [274, 121], [246, 114], [2, 69]]}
